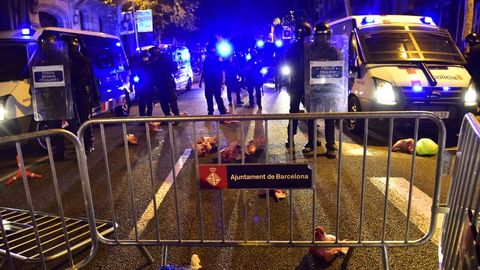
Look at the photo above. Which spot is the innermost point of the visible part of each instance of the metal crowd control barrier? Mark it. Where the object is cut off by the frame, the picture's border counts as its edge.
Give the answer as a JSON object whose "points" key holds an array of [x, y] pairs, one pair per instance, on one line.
{"points": [[464, 203], [180, 238], [32, 236]]}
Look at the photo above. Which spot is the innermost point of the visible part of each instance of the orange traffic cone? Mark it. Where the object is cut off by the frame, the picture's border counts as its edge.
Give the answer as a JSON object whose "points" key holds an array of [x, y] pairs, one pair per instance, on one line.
{"points": [[18, 175]]}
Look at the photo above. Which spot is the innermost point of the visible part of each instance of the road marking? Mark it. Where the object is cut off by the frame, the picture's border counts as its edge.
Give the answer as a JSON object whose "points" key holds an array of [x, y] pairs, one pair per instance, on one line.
{"points": [[9, 175], [421, 203], [149, 212]]}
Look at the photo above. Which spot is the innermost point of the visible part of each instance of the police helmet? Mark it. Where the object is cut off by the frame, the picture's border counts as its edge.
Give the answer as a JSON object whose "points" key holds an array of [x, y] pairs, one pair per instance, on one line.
{"points": [[303, 30], [322, 28], [472, 39], [74, 45], [154, 51], [145, 56], [48, 41]]}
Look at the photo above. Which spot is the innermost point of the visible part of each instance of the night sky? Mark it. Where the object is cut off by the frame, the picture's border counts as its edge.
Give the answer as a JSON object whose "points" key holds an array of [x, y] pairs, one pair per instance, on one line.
{"points": [[240, 18]]}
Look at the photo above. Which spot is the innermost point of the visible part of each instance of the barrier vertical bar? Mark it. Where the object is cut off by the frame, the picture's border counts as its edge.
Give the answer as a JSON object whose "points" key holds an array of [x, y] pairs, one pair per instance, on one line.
{"points": [[59, 200], [30, 203], [109, 179], [387, 181], [267, 192], [339, 177], [175, 186], [199, 193], [152, 183], [129, 180], [412, 176], [364, 163]]}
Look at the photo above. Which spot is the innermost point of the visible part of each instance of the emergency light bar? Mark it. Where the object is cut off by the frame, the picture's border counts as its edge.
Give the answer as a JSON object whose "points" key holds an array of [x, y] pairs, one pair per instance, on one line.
{"points": [[368, 20], [26, 31], [278, 43], [224, 48], [426, 20], [260, 43]]}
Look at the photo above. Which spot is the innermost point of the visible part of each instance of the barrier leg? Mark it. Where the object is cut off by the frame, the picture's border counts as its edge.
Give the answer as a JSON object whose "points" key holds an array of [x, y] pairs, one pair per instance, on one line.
{"points": [[164, 255], [385, 257], [347, 258], [2, 261], [146, 254]]}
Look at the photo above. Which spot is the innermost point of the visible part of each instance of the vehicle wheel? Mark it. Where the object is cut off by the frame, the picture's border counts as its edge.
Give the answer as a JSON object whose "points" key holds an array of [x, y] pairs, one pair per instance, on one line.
{"points": [[124, 110], [355, 126], [189, 85]]}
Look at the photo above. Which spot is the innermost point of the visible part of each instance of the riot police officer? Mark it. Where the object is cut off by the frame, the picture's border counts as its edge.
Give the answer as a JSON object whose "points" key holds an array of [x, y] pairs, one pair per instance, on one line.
{"points": [[213, 76], [296, 86], [165, 68], [232, 75], [473, 58], [323, 50], [82, 88], [254, 79], [52, 104], [144, 80]]}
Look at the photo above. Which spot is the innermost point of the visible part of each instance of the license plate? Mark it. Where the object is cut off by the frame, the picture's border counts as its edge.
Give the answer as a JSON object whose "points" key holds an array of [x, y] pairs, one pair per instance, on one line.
{"points": [[442, 115]]}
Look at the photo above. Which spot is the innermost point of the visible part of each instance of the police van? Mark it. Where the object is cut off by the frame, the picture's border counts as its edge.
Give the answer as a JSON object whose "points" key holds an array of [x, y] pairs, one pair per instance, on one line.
{"points": [[405, 63], [109, 66], [184, 75]]}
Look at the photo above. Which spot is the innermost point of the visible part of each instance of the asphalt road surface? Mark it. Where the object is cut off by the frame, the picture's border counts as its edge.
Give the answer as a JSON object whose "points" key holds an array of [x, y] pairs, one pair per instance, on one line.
{"points": [[240, 214]]}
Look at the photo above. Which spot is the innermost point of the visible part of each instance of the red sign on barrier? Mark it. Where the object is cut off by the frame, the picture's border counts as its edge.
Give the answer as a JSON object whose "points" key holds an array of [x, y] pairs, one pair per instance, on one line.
{"points": [[255, 176]]}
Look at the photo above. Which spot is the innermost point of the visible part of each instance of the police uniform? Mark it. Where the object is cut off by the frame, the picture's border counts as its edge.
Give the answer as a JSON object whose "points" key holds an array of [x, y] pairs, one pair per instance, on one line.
{"points": [[165, 68], [144, 87], [49, 103], [82, 87], [473, 60], [254, 81], [231, 81], [296, 86], [322, 50], [212, 75]]}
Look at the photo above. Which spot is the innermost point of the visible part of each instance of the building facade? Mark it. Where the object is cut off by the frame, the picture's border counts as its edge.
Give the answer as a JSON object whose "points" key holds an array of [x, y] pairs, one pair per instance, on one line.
{"points": [[91, 15]]}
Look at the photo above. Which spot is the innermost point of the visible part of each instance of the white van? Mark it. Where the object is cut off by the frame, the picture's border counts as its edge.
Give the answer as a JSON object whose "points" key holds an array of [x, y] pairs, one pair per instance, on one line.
{"points": [[405, 63], [109, 65]]}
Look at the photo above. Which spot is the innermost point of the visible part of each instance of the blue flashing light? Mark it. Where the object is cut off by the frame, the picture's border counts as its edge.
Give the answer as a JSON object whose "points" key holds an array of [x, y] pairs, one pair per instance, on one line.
{"points": [[260, 43], [278, 43], [118, 44], [417, 88], [446, 88], [426, 20], [368, 19], [248, 57], [136, 79], [26, 31], [264, 71], [224, 48]]}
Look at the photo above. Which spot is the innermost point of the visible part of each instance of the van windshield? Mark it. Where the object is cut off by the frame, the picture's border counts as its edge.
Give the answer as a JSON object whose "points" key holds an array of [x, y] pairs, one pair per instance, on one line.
{"points": [[407, 45], [14, 57]]}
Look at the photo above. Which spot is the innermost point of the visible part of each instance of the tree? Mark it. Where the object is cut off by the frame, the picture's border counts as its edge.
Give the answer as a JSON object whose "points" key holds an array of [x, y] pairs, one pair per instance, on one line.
{"points": [[167, 14], [468, 18]]}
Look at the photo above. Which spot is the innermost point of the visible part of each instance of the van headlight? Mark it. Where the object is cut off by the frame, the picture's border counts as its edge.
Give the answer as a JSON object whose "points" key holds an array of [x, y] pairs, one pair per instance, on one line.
{"points": [[471, 96], [384, 93]]}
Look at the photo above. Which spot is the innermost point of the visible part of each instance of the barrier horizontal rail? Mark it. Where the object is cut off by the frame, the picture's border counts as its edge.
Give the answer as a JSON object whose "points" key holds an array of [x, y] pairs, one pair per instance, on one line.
{"points": [[221, 239], [35, 237]]}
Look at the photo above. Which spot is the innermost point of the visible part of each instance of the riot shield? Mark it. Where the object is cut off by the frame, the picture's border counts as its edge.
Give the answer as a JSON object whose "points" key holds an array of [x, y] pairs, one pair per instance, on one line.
{"points": [[50, 84], [326, 74]]}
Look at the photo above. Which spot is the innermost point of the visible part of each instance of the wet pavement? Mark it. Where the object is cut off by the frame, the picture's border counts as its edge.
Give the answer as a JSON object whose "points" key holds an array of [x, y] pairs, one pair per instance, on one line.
{"points": [[241, 215]]}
